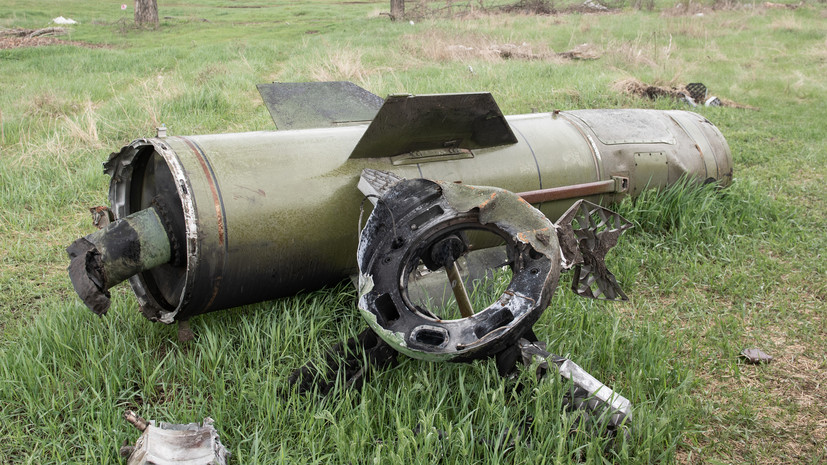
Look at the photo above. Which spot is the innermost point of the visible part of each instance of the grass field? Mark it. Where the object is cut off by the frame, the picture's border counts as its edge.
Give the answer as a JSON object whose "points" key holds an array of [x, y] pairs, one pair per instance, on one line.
{"points": [[709, 273]]}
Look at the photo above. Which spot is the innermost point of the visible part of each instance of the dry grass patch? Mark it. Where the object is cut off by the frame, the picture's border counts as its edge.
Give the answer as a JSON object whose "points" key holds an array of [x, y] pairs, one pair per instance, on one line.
{"points": [[49, 105], [642, 51], [787, 22], [440, 46], [72, 127], [18, 42], [819, 53], [344, 64], [153, 92]]}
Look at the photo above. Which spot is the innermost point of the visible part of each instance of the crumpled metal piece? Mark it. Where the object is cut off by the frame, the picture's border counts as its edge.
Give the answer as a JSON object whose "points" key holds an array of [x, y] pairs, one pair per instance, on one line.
{"points": [[587, 392], [586, 232], [172, 443], [102, 216]]}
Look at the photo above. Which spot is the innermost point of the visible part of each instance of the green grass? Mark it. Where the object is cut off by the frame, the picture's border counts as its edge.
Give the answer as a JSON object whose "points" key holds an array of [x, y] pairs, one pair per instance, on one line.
{"points": [[709, 272]]}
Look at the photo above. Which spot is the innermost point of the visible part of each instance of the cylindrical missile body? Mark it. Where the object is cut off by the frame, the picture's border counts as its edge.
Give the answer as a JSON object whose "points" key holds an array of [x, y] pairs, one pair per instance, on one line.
{"points": [[254, 216]]}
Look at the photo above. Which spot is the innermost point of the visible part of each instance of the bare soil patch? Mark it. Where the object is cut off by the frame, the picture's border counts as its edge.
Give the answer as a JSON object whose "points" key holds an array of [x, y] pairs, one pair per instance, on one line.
{"points": [[18, 42]]}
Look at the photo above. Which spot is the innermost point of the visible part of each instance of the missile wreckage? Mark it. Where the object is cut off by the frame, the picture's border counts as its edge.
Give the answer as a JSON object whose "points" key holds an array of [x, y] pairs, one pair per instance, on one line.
{"points": [[209, 222]]}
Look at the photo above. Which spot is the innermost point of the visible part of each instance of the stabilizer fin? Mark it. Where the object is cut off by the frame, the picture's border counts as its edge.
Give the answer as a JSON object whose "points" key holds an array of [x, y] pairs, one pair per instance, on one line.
{"points": [[305, 105], [411, 123]]}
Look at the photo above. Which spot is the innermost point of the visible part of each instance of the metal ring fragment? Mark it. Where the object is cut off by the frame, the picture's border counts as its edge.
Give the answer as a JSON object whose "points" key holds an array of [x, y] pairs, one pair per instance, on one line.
{"points": [[425, 222]]}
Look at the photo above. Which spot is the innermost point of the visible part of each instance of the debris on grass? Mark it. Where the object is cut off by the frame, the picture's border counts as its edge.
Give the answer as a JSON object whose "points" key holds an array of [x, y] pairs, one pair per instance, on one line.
{"points": [[593, 5], [582, 52], [632, 86], [516, 52], [62, 20], [20, 37], [170, 443], [9, 42], [438, 46], [787, 6], [30, 33], [755, 356]]}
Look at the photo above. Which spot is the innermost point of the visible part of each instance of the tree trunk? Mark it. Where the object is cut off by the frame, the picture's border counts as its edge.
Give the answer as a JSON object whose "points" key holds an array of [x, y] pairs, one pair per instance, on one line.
{"points": [[397, 9], [146, 12]]}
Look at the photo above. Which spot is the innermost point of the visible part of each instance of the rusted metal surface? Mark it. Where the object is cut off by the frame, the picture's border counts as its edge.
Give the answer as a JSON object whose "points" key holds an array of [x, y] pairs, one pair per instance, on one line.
{"points": [[570, 192], [101, 216]]}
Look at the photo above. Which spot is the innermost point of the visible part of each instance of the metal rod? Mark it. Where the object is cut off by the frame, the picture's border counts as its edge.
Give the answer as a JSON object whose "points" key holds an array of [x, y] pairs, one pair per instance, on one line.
{"points": [[569, 192], [464, 303]]}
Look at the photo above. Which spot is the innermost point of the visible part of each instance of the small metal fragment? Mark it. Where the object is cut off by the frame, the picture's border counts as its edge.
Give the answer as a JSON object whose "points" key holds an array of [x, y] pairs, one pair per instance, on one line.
{"points": [[697, 91], [588, 393], [101, 216], [170, 443], [755, 356], [135, 420]]}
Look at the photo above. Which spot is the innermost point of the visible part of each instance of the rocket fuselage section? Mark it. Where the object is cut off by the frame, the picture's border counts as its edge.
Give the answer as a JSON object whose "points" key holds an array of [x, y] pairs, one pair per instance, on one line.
{"points": [[267, 214]]}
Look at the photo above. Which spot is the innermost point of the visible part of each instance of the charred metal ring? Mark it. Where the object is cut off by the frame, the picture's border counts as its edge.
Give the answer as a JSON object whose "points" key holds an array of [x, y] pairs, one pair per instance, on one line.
{"points": [[413, 217]]}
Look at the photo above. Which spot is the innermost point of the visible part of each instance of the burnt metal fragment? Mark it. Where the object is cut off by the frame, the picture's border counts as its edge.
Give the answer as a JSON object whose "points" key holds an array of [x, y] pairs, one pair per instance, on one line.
{"points": [[101, 216], [587, 232], [111, 255], [171, 443], [587, 392], [421, 222]]}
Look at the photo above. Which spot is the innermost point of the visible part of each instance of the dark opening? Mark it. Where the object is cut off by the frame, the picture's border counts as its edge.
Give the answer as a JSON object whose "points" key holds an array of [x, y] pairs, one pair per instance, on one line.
{"points": [[430, 337], [386, 308]]}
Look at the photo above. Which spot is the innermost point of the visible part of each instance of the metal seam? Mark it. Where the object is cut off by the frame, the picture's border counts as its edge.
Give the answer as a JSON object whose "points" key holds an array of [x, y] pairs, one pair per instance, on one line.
{"points": [[598, 160], [697, 146], [536, 163], [218, 201]]}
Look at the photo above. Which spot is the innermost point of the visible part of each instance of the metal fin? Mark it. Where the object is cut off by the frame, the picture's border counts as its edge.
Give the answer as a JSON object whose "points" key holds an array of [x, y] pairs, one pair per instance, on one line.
{"points": [[587, 393], [586, 233], [305, 105], [410, 123], [376, 183]]}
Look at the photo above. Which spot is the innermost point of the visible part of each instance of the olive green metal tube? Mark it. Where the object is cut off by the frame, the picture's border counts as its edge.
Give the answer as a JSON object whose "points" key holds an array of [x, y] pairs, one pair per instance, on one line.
{"points": [[267, 214], [115, 253]]}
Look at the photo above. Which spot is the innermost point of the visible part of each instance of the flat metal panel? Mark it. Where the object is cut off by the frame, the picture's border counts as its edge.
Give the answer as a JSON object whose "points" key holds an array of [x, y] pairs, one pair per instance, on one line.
{"points": [[651, 171], [614, 127], [408, 123], [305, 105]]}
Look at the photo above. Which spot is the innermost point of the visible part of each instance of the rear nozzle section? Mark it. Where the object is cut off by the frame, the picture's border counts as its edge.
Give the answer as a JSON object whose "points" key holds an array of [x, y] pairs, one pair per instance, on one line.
{"points": [[122, 249]]}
